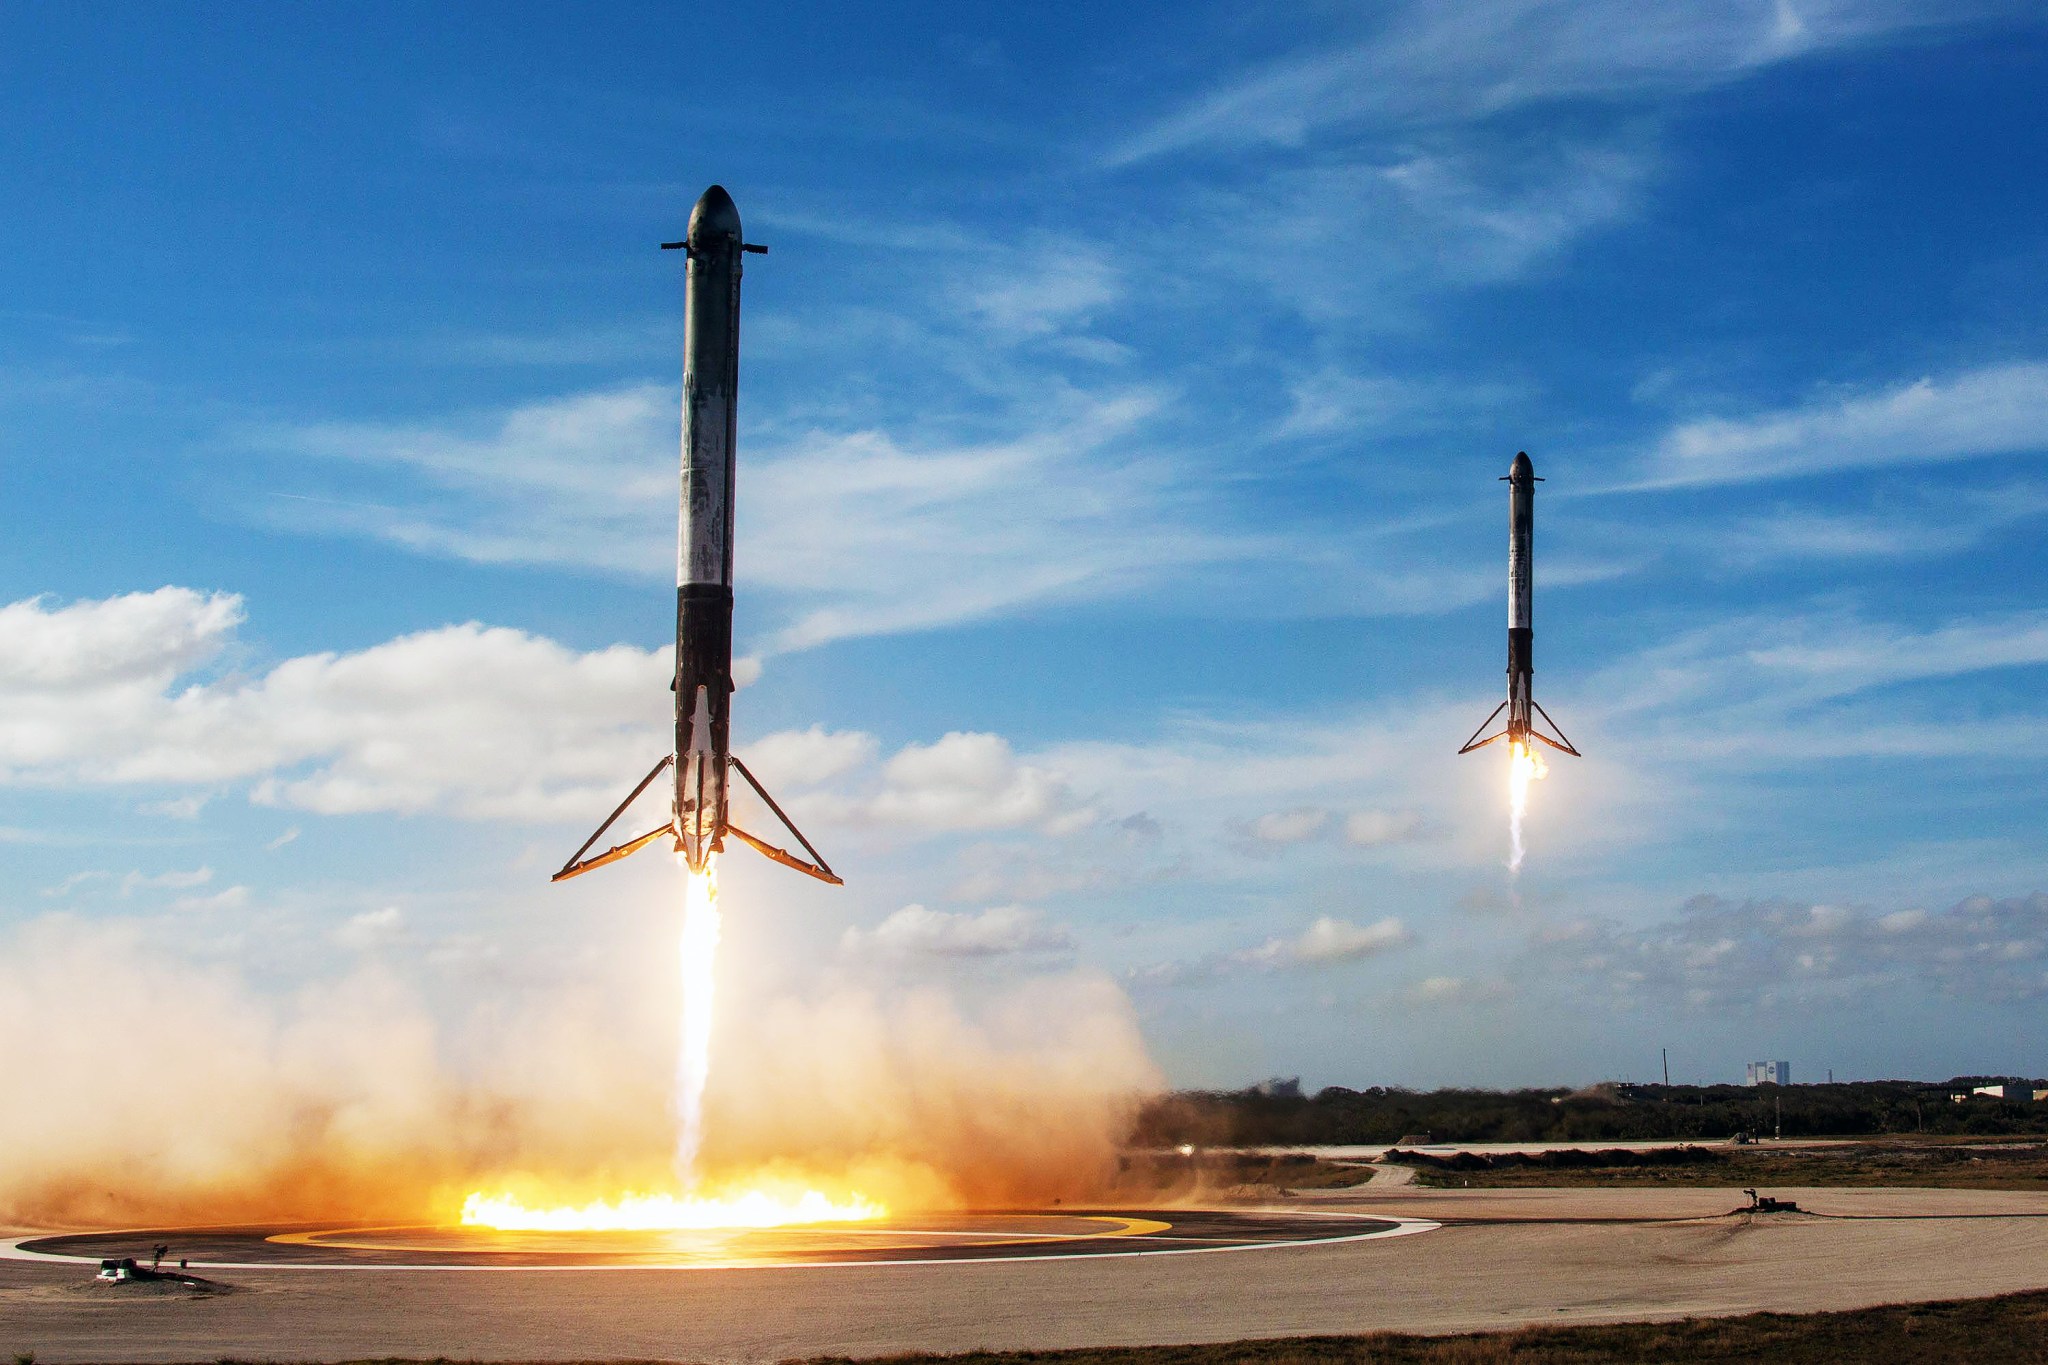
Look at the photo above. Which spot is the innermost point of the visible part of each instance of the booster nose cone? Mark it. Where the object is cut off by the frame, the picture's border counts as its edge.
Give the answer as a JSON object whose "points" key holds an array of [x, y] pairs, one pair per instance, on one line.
{"points": [[714, 219], [1522, 470]]}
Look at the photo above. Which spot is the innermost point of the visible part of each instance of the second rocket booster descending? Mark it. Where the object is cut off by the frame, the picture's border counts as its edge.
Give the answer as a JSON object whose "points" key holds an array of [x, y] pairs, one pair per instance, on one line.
{"points": [[1521, 704]]}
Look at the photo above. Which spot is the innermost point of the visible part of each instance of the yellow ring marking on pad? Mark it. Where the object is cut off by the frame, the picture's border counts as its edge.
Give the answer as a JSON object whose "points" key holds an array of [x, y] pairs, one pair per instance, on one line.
{"points": [[331, 1239]]}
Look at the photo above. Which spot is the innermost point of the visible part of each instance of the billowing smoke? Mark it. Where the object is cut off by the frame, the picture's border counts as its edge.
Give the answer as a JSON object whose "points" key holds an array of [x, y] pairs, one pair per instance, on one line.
{"points": [[905, 1095], [140, 1089], [146, 1089]]}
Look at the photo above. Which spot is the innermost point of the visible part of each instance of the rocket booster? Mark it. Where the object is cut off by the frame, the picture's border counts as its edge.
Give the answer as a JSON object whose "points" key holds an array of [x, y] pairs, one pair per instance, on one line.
{"points": [[1521, 705], [702, 759], [711, 382]]}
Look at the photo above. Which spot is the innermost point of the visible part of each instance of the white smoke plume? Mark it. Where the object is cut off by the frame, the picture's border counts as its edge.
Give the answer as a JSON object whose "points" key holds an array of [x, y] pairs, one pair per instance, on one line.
{"points": [[143, 1089]]}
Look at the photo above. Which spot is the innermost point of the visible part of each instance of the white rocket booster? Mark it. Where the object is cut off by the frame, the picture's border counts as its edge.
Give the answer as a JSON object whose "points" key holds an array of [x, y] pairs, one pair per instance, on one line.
{"points": [[1521, 704], [699, 818]]}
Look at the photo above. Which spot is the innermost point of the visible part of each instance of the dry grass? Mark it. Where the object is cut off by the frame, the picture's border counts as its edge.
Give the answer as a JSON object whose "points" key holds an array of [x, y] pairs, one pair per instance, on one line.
{"points": [[1223, 1173], [1979, 1165], [2010, 1329]]}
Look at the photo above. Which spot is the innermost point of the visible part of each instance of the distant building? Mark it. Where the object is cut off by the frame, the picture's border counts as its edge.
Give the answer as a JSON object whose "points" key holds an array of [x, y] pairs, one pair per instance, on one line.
{"points": [[2023, 1093], [1769, 1073], [1280, 1088]]}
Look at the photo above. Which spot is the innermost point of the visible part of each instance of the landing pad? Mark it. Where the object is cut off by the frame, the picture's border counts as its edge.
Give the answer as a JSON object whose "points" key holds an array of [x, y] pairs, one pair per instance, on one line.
{"points": [[939, 1238]]}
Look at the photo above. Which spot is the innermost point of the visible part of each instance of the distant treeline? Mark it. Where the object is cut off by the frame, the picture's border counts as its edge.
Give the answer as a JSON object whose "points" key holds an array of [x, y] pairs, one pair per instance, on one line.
{"points": [[1275, 1116], [1570, 1159]]}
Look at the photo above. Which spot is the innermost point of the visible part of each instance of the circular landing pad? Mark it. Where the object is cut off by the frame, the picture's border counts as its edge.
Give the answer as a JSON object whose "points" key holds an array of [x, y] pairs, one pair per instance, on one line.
{"points": [[908, 1239]]}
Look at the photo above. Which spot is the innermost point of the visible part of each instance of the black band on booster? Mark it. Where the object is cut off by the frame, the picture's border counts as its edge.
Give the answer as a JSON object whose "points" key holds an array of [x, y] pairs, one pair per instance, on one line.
{"points": [[704, 656], [1521, 644]]}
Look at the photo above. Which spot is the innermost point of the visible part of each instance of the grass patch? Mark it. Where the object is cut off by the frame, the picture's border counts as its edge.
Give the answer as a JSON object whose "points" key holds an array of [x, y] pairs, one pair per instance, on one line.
{"points": [[1941, 1165], [1152, 1175]]}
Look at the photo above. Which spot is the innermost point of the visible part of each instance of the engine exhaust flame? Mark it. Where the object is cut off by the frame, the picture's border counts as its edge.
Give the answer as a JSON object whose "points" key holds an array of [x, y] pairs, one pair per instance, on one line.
{"points": [[666, 1213], [762, 1204], [1525, 765], [693, 1055]]}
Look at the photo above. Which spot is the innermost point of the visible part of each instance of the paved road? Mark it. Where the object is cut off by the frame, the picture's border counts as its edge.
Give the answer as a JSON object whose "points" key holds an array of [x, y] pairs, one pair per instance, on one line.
{"points": [[1502, 1258]]}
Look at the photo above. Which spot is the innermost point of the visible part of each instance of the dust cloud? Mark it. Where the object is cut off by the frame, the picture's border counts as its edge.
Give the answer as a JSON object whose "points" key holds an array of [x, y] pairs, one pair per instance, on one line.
{"points": [[141, 1089], [916, 1103]]}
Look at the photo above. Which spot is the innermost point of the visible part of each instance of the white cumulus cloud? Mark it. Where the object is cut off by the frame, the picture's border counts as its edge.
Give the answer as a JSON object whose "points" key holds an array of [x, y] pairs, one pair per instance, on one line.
{"points": [[1331, 940], [372, 929], [915, 931], [480, 722], [967, 781]]}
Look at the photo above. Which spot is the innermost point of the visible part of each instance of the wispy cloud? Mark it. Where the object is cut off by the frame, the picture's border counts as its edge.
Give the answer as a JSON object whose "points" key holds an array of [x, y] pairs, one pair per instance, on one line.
{"points": [[851, 533], [1455, 991], [1290, 826], [1926, 522], [1381, 828], [573, 481], [1427, 65], [1996, 410], [1005, 931], [1361, 239], [227, 898], [867, 536], [174, 880], [185, 807], [1329, 941], [1757, 674], [1718, 953], [1048, 290]]}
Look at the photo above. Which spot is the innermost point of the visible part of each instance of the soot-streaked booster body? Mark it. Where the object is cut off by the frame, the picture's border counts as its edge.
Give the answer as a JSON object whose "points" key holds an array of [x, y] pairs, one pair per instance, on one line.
{"points": [[702, 758], [1521, 704]]}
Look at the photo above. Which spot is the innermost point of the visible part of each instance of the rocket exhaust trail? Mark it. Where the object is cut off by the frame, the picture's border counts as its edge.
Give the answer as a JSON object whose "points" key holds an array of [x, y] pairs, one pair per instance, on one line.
{"points": [[1524, 767], [693, 1055], [702, 759]]}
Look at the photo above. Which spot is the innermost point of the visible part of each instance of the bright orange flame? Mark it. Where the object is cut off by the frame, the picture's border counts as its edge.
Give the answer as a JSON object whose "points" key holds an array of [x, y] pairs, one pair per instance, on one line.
{"points": [[667, 1212], [763, 1203], [1525, 765]]}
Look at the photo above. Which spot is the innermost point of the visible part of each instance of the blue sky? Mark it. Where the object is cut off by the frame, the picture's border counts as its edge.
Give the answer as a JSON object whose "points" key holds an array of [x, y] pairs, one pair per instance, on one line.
{"points": [[1121, 552]]}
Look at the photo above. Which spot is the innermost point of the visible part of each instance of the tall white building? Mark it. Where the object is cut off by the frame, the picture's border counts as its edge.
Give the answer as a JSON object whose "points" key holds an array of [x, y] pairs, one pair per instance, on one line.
{"points": [[1769, 1073]]}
